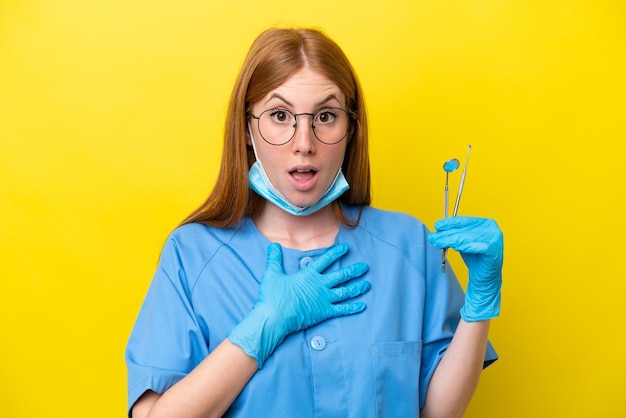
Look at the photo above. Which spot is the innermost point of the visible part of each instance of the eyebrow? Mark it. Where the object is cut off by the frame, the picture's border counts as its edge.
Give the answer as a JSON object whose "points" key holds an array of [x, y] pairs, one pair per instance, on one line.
{"points": [[328, 98]]}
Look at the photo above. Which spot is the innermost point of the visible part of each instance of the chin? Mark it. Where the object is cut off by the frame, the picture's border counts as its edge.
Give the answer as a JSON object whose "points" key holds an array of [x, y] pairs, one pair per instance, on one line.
{"points": [[305, 203]]}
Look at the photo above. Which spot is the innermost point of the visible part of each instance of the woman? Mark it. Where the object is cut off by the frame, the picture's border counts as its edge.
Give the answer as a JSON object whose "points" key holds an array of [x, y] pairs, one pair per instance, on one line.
{"points": [[285, 293]]}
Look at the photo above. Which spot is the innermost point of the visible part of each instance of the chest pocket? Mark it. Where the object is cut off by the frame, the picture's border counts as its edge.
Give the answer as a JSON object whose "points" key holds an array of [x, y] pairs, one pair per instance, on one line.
{"points": [[396, 369]]}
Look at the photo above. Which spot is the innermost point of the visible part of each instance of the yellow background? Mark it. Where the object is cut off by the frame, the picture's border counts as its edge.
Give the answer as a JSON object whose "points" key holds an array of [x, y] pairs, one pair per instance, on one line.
{"points": [[111, 115]]}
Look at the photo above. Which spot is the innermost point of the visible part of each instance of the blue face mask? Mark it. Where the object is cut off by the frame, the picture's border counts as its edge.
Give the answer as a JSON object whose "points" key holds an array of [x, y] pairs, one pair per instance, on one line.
{"points": [[261, 184]]}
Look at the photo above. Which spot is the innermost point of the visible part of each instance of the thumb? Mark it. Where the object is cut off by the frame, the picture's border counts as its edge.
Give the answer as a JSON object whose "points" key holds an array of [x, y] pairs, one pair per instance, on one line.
{"points": [[274, 258]]}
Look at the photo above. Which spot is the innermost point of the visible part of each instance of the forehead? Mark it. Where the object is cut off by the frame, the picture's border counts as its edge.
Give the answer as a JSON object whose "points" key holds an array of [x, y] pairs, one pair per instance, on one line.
{"points": [[306, 88]]}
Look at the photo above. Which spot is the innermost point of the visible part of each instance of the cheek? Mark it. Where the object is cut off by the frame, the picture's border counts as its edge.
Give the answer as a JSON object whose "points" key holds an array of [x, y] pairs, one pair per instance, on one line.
{"points": [[271, 159], [339, 156]]}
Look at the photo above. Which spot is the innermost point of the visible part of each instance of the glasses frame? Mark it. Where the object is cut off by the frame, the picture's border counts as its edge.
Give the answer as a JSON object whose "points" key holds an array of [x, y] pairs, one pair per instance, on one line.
{"points": [[351, 117]]}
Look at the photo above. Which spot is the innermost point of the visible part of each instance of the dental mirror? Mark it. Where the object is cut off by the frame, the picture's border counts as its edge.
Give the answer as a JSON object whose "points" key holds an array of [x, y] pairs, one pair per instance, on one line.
{"points": [[449, 166]]}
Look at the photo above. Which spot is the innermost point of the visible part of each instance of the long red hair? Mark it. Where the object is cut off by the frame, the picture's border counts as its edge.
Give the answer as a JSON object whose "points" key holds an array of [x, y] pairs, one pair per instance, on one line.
{"points": [[273, 58]]}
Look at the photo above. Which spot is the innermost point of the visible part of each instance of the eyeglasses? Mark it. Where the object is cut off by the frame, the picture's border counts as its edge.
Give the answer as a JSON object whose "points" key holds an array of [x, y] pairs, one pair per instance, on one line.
{"points": [[278, 126]]}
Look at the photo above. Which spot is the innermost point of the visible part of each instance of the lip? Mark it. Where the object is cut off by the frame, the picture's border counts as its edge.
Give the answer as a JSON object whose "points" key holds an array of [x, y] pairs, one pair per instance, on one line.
{"points": [[303, 178]]}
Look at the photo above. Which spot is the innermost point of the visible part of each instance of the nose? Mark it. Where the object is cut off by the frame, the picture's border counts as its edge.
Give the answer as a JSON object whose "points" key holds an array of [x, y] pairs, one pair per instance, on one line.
{"points": [[304, 140]]}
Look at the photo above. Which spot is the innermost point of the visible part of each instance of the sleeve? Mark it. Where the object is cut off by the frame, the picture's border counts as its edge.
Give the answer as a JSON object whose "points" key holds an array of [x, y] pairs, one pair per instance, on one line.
{"points": [[443, 301], [166, 342]]}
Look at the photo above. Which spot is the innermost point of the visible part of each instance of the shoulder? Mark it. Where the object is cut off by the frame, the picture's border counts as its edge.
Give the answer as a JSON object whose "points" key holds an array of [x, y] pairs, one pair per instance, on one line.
{"points": [[399, 230], [390, 229], [391, 225], [189, 248], [389, 232], [194, 234]]}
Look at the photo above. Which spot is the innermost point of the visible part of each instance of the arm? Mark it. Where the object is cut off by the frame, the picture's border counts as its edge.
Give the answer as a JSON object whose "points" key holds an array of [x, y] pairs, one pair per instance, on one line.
{"points": [[207, 391], [456, 377], [480, 243]]}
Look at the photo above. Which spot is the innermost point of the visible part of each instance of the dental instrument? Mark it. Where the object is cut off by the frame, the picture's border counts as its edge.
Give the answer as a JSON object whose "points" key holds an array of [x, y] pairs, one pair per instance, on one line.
{"points": [[448, 167]]}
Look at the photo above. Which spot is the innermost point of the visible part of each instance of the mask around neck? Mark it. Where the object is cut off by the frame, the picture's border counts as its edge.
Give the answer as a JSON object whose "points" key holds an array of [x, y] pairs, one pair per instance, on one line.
{"points": [[262, 185]]}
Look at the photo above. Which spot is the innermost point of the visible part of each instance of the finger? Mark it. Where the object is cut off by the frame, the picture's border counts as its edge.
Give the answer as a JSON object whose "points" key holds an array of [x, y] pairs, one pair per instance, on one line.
{"points": [[329, 257], [471, 247], [339, 294], [466, 243], [274, 258], [343, 309], [344, 274], [439, 240], [459, 222], [486, 231]]}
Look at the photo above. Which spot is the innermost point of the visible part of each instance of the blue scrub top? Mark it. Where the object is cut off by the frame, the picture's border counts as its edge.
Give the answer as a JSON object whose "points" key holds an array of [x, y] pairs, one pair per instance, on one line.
{"points": [[376, 363]]}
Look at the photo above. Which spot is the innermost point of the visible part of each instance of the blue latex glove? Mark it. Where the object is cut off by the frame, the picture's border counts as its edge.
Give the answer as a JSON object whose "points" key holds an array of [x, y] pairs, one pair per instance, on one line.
{"points": [[480, 243], [290, 303]]}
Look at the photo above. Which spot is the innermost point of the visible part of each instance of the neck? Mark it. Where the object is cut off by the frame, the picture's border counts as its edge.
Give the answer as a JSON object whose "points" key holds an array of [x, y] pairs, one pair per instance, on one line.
{"points": [[317, 230]]}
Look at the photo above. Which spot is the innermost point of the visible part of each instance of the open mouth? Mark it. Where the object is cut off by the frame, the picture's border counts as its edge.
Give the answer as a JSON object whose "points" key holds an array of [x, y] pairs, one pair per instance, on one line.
{"points": [[303, 179], [302, 175]]}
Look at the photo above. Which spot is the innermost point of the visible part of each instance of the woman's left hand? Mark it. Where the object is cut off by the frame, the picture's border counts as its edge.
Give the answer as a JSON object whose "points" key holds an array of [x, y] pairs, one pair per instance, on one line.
{"points": [[480, 243]]}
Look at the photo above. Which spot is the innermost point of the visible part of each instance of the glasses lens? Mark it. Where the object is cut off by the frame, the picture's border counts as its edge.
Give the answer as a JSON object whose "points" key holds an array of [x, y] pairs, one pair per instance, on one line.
{"points": [[278, 126], [330, 125]]}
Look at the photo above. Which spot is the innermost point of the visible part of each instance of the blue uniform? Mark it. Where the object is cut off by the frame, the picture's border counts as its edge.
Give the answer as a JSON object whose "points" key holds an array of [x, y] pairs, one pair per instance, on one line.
{"points": [[371, 364]]}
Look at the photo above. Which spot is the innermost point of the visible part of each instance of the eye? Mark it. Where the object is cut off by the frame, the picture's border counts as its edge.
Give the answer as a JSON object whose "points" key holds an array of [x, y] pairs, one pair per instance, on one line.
{"points": [[280, 115], [326, 116]]}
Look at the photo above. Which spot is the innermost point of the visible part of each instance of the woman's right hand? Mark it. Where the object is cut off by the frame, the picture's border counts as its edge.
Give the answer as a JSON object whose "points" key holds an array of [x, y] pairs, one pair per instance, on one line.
{"points": [[290, 303]]}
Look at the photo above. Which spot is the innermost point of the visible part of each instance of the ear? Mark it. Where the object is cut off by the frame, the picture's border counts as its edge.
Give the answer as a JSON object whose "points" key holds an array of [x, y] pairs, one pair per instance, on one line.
{"points": [[248, 139], [352, 130]]}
